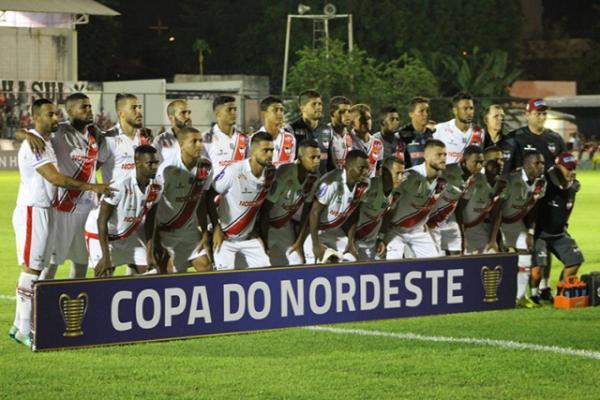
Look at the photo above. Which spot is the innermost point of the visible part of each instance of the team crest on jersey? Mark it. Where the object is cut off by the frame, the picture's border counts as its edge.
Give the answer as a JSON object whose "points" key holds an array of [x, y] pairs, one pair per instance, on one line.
{"points": [[552, 147]]}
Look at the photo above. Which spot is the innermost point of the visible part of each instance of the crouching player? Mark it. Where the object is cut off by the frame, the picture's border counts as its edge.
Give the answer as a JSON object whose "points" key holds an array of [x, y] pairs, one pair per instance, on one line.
{"points": [[111, 230], [33, 216], [284, 215], [525, 187]]}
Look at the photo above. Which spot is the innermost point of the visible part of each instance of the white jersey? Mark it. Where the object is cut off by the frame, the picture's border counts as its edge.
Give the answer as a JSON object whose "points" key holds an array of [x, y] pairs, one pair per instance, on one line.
{"points": [[285, 147], [223, 150], [372, 211], [480, 198], [117, 153], [181, 191], [242, 194], [34, 190], [521, 196], [373, 148], [288, 195], [443, 210], [166, 144], [417, 198], [340, 146], [456, 140], [77, 156], [338, 199], [131, 207]]}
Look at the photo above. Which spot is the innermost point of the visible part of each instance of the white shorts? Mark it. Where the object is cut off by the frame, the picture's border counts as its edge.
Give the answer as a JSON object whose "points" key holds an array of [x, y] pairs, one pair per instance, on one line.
{"points": [[34, 236], [415, 243], [69, 233], [447, 237], [251, 249], [183, 245], [334, 238], [130, 250], [280, 241], [515, 235], [477, 237]]}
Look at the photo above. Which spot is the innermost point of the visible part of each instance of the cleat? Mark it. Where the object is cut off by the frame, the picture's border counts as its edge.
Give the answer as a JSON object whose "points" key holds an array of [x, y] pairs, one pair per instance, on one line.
{"points": [[546, 295], [23, 339], [12, 332], [526, 302], [536, 300]]}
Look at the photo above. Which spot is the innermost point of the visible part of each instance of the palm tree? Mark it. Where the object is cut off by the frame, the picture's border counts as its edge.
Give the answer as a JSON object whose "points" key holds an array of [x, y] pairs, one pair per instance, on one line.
{"points": [[201, 46]]}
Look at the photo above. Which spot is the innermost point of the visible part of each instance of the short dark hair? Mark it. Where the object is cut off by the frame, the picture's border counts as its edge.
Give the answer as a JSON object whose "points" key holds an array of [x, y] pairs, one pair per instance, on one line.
{"points": [[530, 153], [75, 97], [460, 96], [387, 163], [144, 149], [308, 143], [220, 100], [412, 104], [306, 95], [260, 136], [354, 155], [36, 107], [491, 149], [173, 104], [433, 143], [267, 101], [387, 110], [470, 150], [121, 97], [335, 101], [183, 132], [489, 108], [360, 108]]}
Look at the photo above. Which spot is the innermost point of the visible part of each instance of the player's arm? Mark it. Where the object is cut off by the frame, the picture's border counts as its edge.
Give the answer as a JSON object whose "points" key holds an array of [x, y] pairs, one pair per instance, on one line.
{"points": [[202, 213], [218, 236], [314, 217], [35, 142], [104, 266], [298, 245], [529, 222], [496, 221], [51, 174], [458, 213], [351, 231], [263, 223]]}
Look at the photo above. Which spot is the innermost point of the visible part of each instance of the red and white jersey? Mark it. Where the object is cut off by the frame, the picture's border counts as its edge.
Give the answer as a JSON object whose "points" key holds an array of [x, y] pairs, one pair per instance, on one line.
{"points": [[77, 156], [285, 147], [117, 154], [223, 150], [373, 148], [372, 210], [288, 195], [181, 191], [443, 210], [131, 206], [340, 146], [338, 199], [521, 196], [34, 190], [242, 194], [166, 144], [417, 198], [480, 198], [456, 140], [395, 148]]}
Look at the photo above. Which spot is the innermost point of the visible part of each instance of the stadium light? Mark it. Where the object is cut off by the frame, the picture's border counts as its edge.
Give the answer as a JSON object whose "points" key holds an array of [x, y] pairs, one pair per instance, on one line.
{"points": [[303, 9]]}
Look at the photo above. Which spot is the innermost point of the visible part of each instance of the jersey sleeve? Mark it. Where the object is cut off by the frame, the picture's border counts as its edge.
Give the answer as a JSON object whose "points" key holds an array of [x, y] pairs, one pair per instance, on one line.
{"points": [[38, 160], [325, 193], [276, 188], [116, 197], [224, 180]]}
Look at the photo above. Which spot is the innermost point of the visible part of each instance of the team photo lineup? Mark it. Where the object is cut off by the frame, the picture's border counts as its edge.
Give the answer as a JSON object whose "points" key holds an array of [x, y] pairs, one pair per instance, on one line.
{"points": [[319, 190]]}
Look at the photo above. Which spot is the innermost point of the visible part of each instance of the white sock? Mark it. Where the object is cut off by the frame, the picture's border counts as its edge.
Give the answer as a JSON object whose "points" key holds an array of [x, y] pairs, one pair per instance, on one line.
{"points": [[544, 283], [523, 275], [24, 301], [17, 308], [49, 272], [535, 291], [78, 271]]}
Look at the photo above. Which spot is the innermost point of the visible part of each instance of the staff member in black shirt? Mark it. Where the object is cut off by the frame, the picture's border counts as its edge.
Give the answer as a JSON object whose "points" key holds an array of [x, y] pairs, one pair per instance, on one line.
{"points": [[493, 120], [416, 134]]}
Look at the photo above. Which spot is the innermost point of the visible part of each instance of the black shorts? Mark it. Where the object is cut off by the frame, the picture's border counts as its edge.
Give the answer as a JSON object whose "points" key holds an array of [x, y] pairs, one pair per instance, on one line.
{"points": [[562, 246]]}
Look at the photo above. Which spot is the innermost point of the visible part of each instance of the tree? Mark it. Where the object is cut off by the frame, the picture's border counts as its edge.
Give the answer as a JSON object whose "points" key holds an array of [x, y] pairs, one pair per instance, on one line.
{"points": [[201, 46]]}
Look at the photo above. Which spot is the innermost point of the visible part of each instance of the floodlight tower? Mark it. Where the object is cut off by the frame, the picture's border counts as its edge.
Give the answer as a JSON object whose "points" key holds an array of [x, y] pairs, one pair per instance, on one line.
{"points": [[320, 26]]}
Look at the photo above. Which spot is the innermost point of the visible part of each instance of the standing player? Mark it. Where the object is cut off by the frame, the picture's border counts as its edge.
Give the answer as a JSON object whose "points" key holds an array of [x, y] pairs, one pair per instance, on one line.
{"points": [[393, 146], [223, 143], [111, 230], [442, 223], [551, 234], [33, 215], [525, 187], [493, 119], [166, 143], [340, 193], [417, 133], [244, 187], [459, 133], [406, 228], [182, 207], [284, 142], [379, 199], [284, 215], [363, 140], [340, 142]]}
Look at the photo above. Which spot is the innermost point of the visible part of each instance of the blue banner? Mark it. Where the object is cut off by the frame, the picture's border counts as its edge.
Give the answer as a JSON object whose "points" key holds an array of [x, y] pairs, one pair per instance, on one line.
{"points": [[77, 313]]}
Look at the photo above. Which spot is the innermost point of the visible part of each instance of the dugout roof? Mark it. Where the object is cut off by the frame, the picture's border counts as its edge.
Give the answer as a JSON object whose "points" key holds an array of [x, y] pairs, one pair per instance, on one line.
{"points": [[89, 7]]}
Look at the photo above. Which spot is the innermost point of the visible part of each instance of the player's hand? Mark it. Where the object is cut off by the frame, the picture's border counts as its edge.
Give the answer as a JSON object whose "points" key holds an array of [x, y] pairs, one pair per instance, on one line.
{"points": [[381, 248], [319, 251], [103, 188], [298, 248], [491, 247], [35, 142], [529, 242], [218, 238], [103, 268]]}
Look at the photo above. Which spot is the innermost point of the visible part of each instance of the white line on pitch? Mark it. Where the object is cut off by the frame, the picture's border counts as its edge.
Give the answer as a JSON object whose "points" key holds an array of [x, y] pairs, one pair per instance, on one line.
{"points": [[7, 297], [505, 344]]}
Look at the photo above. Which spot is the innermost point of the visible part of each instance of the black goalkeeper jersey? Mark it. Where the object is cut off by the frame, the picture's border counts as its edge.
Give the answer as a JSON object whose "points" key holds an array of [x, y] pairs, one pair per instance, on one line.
{"points": [[549, 143], [556, 206]]}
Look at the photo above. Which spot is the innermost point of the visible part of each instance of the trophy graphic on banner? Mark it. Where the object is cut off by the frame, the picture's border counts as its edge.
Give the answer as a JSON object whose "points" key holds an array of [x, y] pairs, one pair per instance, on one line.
{"points": [[491, 278], [73, 312]]}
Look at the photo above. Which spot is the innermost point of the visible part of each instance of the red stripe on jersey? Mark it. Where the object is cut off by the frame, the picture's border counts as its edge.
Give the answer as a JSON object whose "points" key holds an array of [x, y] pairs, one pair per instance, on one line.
{"points": [[280, 222], [441, 214], [537, 190], [84, 173], [241, 144], [476, 138], [27, 247], [376, 148], [286, 148], [361, 189]]}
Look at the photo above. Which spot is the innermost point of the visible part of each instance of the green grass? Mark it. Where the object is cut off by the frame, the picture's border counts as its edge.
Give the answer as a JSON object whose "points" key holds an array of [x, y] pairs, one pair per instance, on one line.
{"points": [[301, 363]]}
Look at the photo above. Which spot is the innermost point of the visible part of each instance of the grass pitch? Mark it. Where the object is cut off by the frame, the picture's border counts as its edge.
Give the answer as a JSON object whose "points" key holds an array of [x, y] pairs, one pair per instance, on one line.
{"points": [[304, 363]]}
